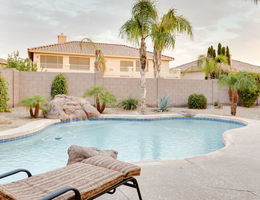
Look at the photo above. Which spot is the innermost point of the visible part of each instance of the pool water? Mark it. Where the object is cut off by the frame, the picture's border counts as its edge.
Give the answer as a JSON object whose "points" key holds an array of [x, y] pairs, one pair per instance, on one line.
{"points": [[134, 140]]}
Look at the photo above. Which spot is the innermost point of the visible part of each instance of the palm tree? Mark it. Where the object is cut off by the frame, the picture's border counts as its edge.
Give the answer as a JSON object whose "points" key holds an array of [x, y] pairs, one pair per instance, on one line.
{"points": [[101, 97], [163, 35], [229, 81], [100, 62], [210, 65], [236, 82], [34, 102], [144, 15]]}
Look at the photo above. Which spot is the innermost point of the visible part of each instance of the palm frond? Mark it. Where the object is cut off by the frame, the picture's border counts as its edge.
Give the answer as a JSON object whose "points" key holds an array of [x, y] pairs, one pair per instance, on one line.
{"points": [[89, 41]]}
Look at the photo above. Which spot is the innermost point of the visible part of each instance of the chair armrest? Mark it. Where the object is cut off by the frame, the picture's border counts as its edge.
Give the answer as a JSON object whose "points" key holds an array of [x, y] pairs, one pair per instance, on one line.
{"points": [[62, 191], [15, 172]]}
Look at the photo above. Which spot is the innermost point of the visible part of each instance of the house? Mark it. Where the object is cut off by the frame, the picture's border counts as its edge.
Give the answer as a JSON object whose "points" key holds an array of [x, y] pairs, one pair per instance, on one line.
{"points": [[121, 60], [3, 62], [192, 71]]}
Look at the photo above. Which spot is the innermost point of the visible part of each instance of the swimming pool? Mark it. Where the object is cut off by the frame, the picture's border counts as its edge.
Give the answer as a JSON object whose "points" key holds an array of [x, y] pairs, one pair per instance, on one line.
{"points": [[135, 140]]}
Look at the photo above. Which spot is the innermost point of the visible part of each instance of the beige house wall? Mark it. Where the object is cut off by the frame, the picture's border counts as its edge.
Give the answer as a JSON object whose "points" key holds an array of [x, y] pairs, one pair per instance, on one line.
{"points": [[25, 84], [113, 66]]}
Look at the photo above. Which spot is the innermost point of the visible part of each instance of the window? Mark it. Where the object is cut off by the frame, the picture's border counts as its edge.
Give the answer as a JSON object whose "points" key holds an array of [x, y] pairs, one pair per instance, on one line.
{"points": [[137, 66], [125, 65], [78, 63], [51, 62]]}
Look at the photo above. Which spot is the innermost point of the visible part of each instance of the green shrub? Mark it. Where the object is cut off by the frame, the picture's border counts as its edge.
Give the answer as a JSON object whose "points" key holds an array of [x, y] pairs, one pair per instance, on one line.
{"points": [[163, 103], [197, 101], [129, 103], [248, 95], [3, 95], [216, 102], [59, 85]]}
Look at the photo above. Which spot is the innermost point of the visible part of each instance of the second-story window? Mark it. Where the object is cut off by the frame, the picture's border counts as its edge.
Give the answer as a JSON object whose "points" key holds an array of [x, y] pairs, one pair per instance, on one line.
{"points": [[78, 63], [126, 66], [51, 62]]}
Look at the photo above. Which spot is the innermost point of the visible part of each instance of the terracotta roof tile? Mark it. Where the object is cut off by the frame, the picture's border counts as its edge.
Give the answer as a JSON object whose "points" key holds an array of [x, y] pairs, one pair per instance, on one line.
{"points": [[238, 65], [107, 49]]}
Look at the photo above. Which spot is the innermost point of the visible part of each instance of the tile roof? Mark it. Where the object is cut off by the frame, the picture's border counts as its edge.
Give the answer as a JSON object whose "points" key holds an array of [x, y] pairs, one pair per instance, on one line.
{"points": [[3, 61], [107, 49], [238, 65]]}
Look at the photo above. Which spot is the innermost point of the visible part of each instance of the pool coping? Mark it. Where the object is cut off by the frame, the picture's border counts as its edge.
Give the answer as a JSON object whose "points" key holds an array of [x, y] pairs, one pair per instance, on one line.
{"points": [[36, 127]]}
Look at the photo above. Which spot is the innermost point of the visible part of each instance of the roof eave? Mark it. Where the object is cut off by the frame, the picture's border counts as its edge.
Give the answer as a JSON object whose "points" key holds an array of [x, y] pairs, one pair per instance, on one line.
{"points": [[31, 51]]}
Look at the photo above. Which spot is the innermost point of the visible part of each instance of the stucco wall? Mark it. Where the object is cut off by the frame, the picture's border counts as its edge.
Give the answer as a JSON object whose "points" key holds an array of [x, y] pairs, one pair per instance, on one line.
{"points": [[25, 84], [113, 66]]}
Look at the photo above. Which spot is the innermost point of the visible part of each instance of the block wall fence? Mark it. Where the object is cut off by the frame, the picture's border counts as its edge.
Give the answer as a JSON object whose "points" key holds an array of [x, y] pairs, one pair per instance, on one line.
{"points": [[25, 84]]}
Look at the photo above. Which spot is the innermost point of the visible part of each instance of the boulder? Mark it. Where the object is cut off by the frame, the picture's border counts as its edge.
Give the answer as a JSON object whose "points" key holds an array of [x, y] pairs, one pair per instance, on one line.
{"points": [[91, 111], [187, 113], [69, 108], [78, 153], [4, 120], [220, 106]]}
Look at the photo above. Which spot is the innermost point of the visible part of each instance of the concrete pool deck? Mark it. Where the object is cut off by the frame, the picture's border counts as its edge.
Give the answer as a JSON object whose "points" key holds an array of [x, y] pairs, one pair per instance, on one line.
{"points": [[234, 174], [230, 173]]}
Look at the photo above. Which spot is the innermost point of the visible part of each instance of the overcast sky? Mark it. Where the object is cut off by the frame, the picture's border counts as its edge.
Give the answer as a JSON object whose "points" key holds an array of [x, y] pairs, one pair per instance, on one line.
{"points": [[31, 23]]}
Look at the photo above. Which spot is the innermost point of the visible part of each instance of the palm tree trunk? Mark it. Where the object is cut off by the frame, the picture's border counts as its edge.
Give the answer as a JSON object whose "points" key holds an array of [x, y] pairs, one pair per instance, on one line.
{"points": [[156, 62], [98, 104], [208, 75], [31, 112], [142, 72], [230, 94], [103, 108], [36, 111], [96, 64], [235, 100]]}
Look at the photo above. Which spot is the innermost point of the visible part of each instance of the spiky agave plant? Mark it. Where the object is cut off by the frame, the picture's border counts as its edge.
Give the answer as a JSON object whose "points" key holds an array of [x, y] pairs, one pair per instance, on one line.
{"points": [[33, 102], [164, 103]]}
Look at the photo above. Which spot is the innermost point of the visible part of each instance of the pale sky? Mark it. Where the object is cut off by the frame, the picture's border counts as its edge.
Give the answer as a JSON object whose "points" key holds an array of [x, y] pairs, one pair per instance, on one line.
{"points": [[31, 23]]}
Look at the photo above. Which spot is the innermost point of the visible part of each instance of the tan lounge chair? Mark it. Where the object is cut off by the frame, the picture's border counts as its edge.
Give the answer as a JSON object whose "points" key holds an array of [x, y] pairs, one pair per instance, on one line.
{"points": [[88, 179]]}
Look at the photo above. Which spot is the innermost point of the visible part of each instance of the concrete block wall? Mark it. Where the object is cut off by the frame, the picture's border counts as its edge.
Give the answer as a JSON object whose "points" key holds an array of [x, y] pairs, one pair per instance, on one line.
{"points": [[25, 84]]}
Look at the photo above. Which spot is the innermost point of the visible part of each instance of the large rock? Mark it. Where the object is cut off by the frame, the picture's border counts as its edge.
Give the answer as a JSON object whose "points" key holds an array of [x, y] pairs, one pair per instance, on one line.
{"points": [[4, 120], [77, 153], [69, 108], [90, 111]]}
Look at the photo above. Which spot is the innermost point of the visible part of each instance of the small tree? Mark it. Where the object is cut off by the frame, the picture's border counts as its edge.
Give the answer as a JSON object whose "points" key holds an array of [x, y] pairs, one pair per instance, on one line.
{"points": [[223, 51], [3, 95], [219, 49], [236, 82], [100, 62], [228, 56], [34, 102], [102, 96], [210, 65], [14, 61], [59, 85]]}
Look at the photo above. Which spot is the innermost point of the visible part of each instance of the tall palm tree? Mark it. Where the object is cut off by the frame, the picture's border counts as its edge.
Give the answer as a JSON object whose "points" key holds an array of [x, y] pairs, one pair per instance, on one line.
{"points": [[236, 82], [144, 15], [210, 65], [100, 62], [163, 35]]}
